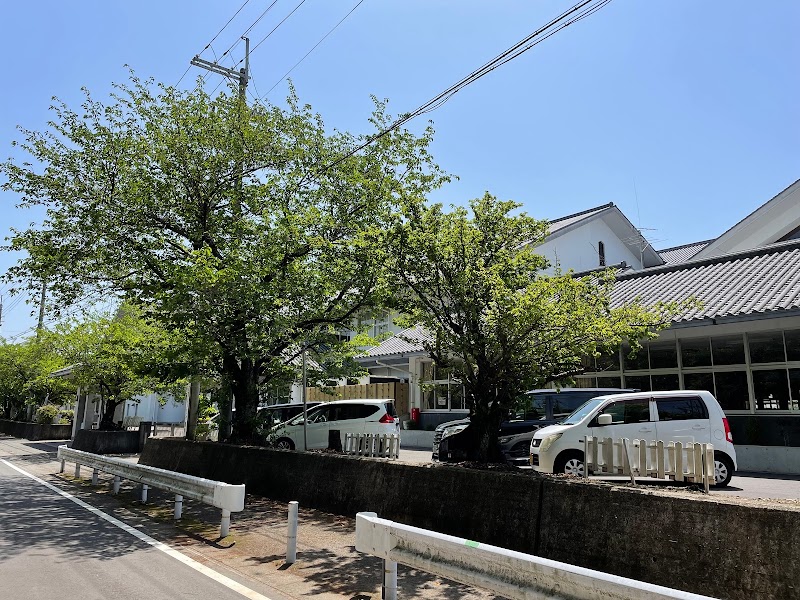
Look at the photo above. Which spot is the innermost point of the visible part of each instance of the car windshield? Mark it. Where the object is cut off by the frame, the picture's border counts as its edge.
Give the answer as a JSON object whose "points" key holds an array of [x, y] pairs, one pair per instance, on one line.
{"points": [[529, 407], [298, 420], [583, 410]]}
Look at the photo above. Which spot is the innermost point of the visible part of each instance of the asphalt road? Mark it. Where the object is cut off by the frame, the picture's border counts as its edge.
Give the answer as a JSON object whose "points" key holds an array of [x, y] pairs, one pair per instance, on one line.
{"points": [[53, 547]]}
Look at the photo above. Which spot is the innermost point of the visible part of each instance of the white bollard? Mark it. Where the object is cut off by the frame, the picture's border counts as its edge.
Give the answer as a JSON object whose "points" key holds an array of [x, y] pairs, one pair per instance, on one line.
{"points": [[117, 482], [144, 493], [291, 535], [63, 465], [94, 476], [178, 506], [225, 523], [77, 471], [389, 591]]}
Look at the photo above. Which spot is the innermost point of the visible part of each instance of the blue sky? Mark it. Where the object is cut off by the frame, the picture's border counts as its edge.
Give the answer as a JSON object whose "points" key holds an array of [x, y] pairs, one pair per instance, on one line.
{"points": [[683, 113]]}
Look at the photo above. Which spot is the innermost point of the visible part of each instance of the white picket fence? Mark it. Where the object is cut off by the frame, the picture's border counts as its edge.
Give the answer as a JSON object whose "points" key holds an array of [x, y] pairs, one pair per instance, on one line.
{"points": [[372, 444], [639, 458]]}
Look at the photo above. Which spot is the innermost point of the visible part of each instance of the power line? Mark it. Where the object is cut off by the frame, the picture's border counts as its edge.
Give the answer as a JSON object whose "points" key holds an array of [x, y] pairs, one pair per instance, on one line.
{"points": [[579, 11], [274, 29], [285, 75], [253, 24], [208, 45]]}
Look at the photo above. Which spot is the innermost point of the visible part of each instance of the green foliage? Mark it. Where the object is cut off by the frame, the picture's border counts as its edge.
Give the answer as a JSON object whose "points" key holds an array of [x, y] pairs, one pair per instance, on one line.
{"points": [[66, 416], [46, 414], [118, 358], [498, 320], [242, 225]]}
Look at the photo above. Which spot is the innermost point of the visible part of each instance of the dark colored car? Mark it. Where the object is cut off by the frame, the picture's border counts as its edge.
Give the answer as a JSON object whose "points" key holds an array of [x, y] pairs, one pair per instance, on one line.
{"points": [[454, 441]]}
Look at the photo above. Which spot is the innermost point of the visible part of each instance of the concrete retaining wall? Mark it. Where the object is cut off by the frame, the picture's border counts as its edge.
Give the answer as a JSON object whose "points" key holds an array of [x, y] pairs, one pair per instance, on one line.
{"points": [[703, 545], [109, 442], [35, 431], [768, 459]]}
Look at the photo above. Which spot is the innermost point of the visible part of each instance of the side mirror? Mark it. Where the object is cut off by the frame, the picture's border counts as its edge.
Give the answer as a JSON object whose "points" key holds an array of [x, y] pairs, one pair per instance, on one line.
{"points": [[604, 419]]}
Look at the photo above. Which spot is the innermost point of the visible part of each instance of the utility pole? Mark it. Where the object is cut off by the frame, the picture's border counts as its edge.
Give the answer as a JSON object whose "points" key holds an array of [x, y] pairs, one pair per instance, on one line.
{"points": [[41, 306], [242, 75]]}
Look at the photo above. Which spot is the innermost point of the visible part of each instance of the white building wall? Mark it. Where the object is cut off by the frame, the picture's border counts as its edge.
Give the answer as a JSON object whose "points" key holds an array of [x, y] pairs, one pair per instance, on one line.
{"points": [[577, 249]]}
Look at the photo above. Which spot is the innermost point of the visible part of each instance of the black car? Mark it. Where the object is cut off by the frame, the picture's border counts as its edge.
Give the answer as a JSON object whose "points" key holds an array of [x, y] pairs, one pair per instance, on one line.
{"points": [[454, 441]]}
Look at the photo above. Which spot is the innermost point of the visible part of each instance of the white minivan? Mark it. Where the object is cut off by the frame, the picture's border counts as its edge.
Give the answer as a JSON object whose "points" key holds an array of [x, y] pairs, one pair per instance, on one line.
{"points": [[684, 416], [345, 416]]}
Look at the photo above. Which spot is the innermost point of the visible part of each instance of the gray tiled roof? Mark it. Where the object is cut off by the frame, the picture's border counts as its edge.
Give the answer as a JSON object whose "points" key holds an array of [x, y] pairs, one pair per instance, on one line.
{"points": [[568, 220], [762, 281], [407, 341], [680, 254]]}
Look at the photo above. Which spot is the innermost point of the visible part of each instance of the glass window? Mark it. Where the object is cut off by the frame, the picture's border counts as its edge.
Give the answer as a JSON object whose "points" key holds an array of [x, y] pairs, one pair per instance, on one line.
{"points": [[663, 355], [792, 344], [665, 382], [703, 381], [771, 389], [732, 392], [608, 361], [638, 382], [634, 362], [585, 382], [766, 347], [629, 411], [457, 400], [565, 403], [681, 409], [794, 385], [728, 350], [696, 352], [609, 382]]}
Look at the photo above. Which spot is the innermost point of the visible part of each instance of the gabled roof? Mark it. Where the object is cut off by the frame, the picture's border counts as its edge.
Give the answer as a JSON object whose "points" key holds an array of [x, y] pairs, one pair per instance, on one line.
{"points": [[616, 220], [776, 220], [757, 283], [679, 254], [408, 341]]}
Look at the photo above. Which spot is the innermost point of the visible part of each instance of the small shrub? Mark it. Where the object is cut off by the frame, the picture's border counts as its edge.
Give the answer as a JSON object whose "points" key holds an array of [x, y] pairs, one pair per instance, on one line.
{"points": [[65, 417], [45, 414]]}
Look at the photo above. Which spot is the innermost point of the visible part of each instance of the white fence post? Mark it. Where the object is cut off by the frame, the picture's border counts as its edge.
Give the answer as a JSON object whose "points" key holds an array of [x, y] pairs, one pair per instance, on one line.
{"points": [[94, 476], [389, 591], [291, 536], [144, 493], [63, 465], [225, 523], [178, 506], [77, 470], [117, 481]]}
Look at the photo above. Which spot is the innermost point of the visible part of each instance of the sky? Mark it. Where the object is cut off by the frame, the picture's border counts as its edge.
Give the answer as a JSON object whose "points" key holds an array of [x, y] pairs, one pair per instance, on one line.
{"points": [[682, 113]]}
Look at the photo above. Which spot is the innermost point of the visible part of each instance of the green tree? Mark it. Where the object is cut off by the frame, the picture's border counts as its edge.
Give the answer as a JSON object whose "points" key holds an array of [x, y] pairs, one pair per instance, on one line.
{"points": [[498, 321], [119, 358], [249, 225], [26, 375]]}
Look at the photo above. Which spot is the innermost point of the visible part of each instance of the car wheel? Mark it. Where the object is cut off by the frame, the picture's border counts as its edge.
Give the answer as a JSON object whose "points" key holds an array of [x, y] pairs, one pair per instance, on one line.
{"points": [[284, 444], [723, 469], [569, 463]]}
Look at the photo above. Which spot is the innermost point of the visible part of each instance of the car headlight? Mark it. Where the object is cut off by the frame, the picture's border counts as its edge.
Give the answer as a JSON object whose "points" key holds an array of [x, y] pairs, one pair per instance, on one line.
{"points": [[549, 441], [453, 430]]}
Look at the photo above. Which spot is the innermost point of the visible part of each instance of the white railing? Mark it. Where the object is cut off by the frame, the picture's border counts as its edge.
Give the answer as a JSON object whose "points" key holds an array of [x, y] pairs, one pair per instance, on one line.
{"points": [[691, 462], [229, 498], [372, 444], [510, 574]]}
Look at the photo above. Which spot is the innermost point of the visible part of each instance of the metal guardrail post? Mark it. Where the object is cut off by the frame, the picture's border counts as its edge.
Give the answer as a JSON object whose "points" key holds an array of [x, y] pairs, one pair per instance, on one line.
{"points": [[117, 482], [144, 493], [63, 465], [77, 470], [225, 523], [389, 589], [94, 476], [178, 506], [291, 535]]}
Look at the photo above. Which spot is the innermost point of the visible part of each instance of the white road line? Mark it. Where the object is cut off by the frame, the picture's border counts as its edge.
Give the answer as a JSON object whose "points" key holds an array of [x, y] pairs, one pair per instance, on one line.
{"points": [[226, 581]]}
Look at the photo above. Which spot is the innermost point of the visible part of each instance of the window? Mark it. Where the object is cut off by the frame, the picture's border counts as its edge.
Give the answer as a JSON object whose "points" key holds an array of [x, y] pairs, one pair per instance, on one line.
{"points": [[638, 382], [696, 353], [629, 411], [680, 409], [732, 392], [440, 391], [792, 344], [794, 386], [608, 361], [635, 362], [663, 355], [766, 347], [771, 389], [601, 253], [702, 381], [728, 350], [609, 382], [566, 402], [665, 382]]}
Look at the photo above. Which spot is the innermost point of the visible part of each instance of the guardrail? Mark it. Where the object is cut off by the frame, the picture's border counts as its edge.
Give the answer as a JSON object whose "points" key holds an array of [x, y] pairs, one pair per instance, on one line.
{"points": [[691, 462], [510, 574], [372, 444], [229, 498]]}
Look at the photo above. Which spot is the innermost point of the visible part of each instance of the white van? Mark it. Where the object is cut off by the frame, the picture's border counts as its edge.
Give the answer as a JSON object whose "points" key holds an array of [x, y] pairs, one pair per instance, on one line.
{"points": [[684, 416], [345, 416]]}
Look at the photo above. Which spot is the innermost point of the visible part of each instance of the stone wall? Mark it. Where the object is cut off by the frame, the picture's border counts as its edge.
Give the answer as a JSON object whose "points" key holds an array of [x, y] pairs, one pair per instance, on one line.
{"points": [[35, 431], [703, 545]]}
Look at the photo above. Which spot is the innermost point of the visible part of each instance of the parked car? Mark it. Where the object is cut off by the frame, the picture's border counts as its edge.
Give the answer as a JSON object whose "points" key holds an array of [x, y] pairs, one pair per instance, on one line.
{"points": [[280, 413], [453, 441], [685, 416], [346, 416]]}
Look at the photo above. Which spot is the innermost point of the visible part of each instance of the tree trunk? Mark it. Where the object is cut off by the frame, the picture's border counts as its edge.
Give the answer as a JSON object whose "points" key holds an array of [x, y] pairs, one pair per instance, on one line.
{"points": [[194, 408], [243, 377], [107, 420]]}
